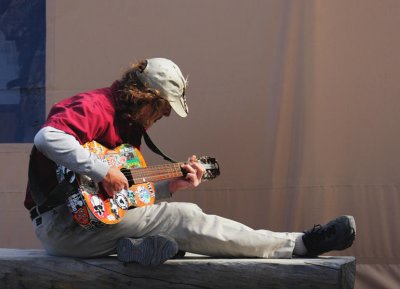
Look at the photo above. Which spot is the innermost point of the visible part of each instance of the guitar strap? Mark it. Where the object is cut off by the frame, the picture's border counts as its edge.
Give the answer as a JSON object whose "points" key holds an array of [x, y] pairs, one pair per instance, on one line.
{"points": [[155, 149]]}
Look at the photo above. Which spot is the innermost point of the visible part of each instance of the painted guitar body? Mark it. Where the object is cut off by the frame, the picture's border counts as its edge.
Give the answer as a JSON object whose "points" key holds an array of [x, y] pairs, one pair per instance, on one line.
{"points": [[90, 205]]}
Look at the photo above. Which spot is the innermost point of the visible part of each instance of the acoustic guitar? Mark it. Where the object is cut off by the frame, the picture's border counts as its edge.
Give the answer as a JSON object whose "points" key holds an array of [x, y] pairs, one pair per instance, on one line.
{"points": [[92, 207]]}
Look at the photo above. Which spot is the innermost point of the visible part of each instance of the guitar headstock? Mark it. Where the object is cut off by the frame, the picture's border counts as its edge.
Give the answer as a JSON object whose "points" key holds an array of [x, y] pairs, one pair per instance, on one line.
{"points": [[212, 167]]}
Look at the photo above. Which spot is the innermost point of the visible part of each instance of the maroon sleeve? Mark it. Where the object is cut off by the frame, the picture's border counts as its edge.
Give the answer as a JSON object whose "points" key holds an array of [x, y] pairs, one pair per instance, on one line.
{"points": [[79, 116]]}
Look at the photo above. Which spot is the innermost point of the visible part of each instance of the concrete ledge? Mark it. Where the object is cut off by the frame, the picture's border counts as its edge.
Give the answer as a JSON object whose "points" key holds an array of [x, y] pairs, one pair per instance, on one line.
{"points": [[33, 269]]}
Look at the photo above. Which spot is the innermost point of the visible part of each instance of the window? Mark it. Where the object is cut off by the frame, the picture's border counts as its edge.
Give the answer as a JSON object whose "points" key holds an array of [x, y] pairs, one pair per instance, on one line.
{"points": [[22, 69]]}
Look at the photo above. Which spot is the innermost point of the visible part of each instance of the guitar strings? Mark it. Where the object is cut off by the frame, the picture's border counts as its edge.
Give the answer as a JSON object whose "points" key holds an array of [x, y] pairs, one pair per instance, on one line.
{"points": [[153, 173]]}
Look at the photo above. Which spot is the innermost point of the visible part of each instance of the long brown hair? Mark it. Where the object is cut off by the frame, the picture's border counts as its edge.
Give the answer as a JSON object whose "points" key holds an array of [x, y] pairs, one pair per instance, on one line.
{"points": [[132, 96]]}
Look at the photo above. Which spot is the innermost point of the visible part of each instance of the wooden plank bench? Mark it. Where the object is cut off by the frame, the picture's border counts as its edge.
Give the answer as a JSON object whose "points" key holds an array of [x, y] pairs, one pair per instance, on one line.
{"points": [[33, 269]]}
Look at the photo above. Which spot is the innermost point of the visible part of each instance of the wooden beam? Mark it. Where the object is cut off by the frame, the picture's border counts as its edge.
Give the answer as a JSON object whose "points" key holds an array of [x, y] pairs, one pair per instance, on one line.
{"points": [[33, 269]]}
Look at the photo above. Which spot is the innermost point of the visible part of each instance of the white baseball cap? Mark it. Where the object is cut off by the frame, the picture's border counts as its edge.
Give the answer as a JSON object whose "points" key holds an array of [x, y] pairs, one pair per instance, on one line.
{"points": [[163, 75]]}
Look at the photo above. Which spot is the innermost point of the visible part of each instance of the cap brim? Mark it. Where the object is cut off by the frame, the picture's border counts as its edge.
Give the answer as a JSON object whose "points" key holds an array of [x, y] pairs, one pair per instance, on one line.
{"points": [[178, 108]]}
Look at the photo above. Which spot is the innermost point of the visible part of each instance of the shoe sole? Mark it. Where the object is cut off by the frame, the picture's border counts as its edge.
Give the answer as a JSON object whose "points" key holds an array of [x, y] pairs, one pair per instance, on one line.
{"points": [[351, 223], [148, 251]]}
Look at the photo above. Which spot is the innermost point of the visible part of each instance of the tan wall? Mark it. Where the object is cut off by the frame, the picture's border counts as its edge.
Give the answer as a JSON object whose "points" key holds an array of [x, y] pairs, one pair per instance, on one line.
{"points": [[298, 100]]}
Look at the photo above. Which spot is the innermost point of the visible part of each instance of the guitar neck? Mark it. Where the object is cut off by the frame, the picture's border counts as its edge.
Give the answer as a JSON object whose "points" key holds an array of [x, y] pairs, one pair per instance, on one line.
{"points": [[156, 173]]}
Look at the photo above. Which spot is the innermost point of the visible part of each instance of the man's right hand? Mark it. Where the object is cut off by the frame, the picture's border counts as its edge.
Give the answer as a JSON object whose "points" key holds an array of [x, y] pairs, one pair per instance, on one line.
{"points": [[114, 181]]}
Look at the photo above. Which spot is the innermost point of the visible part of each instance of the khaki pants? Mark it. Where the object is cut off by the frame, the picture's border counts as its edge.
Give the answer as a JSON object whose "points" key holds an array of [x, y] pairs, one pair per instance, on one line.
{"points": [[193, 230]]}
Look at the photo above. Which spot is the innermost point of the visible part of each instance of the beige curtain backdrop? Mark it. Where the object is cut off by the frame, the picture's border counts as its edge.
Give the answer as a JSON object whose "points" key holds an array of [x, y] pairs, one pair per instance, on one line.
{"points": [[298, 100]]}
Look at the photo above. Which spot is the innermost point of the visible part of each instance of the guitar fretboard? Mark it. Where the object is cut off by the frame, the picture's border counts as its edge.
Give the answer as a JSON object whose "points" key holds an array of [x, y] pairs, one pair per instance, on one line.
{"points": [[156, 173]]}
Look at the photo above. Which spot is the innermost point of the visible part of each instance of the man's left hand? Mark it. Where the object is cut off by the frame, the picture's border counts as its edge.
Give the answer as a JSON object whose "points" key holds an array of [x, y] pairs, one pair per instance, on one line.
{"points": [[194, 173]]}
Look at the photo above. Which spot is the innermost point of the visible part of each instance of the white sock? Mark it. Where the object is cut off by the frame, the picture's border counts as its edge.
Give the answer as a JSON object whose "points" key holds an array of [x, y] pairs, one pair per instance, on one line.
{"points": [[299, 247]]}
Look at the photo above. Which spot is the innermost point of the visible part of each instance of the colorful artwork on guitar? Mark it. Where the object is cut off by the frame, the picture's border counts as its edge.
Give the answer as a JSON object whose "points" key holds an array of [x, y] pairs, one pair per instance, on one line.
{"points": [[91, 206]]}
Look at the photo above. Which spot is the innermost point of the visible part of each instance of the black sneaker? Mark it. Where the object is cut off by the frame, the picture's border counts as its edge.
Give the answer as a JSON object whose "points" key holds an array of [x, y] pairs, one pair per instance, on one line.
{"points": [[338, 234], [148, 251]]}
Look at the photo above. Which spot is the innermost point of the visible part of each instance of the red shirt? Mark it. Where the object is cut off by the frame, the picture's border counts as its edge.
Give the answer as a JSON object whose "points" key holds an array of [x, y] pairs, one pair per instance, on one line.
{"points": [[86, 116]]}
